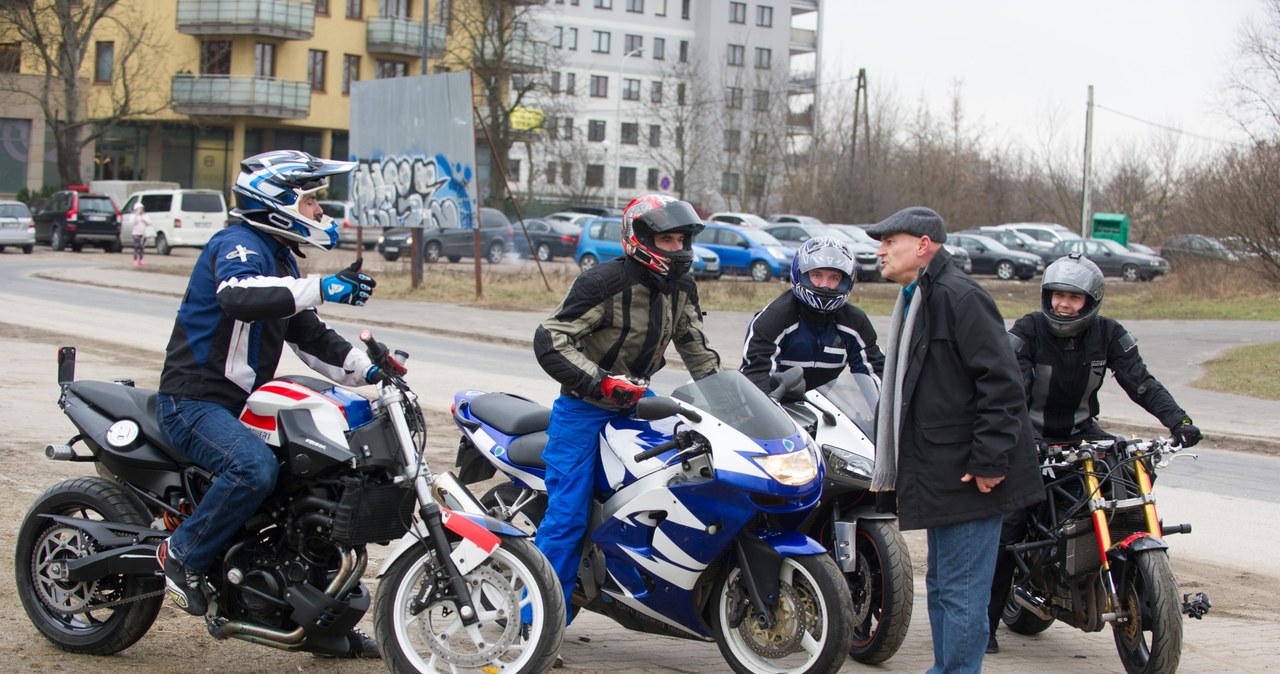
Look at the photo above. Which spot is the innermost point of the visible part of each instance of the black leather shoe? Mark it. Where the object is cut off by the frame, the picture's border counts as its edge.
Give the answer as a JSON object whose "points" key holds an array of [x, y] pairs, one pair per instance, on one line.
{"points": [[993, 646], [362, 645]]}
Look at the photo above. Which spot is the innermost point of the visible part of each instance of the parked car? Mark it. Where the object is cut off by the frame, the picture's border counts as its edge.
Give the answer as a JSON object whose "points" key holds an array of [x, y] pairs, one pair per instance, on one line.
{"points": [[16, 227], [75, 219], [793, 218], [180, 217], [793, 235], [597, 211], [1047, 232], [744, 219], [1015, 239], [452, 243], [748, 251], [960, 256], [1114, 259], [349, 226], [1196, 247], [601, 241], [1141, 248], [551, 239], [578, 219], [989, 256]]}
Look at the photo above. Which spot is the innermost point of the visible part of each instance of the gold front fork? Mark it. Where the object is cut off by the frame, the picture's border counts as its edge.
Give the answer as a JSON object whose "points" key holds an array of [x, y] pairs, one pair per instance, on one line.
{"points": [[1144, 491], [1103, 533]]}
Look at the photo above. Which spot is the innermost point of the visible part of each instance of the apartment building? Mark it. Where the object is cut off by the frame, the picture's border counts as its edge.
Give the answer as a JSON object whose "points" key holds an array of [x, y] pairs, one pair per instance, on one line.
{"points": [[634, 84]]}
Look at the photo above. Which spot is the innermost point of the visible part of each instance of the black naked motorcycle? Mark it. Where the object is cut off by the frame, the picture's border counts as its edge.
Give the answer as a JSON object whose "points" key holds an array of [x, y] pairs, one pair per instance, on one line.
{"points": [[459, 592], [1094, 554]]}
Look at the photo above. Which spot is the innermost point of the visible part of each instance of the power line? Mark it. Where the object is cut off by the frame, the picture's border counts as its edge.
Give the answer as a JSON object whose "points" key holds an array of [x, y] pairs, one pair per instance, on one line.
{"points": [[1170, 128]]}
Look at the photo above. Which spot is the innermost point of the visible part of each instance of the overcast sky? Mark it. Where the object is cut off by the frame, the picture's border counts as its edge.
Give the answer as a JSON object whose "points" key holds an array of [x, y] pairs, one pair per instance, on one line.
{"points": [[1021, 61]]}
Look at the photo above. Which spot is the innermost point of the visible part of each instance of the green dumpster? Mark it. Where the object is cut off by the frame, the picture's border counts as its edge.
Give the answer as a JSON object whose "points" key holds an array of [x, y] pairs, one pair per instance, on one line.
{"points": [[1114, 226]]}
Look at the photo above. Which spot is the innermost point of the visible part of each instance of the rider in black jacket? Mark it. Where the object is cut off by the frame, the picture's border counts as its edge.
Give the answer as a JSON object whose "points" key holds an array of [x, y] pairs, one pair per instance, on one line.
{"points": [[1064, 351]]}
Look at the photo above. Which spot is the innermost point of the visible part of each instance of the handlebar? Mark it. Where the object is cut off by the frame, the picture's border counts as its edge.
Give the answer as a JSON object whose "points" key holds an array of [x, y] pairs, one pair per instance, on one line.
{"points": [[1062, 455], [657, 449], [390, 362]]}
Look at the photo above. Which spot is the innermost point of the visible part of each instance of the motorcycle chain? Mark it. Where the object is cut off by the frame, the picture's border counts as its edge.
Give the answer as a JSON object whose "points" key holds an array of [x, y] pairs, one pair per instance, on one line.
{"points": [[110, 604]]}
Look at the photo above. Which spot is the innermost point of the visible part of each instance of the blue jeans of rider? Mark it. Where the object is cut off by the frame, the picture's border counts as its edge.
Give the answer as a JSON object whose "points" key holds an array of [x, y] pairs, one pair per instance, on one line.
{"points": [[212, 437], [573, 444], [962, 558]]}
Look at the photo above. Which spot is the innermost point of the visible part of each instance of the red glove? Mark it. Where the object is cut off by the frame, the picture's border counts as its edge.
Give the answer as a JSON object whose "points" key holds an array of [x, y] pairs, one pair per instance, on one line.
{"points": [[622, 391]]}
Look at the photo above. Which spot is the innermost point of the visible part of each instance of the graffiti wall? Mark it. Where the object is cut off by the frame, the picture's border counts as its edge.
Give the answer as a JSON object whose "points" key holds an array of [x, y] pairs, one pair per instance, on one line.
{"points": [[415, 144]]}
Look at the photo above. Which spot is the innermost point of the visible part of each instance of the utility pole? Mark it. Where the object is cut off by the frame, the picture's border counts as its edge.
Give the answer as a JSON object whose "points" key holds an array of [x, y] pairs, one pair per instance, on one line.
{"points": [[860, 114], [1085, 207]]}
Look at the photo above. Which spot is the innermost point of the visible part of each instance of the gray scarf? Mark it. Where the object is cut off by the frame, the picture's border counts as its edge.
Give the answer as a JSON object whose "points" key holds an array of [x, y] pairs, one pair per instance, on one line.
{"points": [[889, 419]]}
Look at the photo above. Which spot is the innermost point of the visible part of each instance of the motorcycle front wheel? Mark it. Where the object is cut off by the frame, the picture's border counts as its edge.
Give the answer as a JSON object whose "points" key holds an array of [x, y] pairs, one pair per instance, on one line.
{"points": [[1150, 641], [881, 590], [812, 626], [433, 638], [97, 617]]}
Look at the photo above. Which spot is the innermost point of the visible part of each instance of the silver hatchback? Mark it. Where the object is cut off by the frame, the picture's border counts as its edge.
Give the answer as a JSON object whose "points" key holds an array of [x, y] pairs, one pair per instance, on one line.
{"points": [[16, 227]]}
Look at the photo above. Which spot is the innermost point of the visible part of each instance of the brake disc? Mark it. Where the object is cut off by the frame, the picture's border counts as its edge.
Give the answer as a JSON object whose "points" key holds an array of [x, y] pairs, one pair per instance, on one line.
{"points": [[788, 629], [498, 605]]}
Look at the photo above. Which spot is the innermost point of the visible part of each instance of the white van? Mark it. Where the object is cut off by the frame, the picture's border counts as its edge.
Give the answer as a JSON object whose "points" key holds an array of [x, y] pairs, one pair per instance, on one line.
{"points": [[178, 217]]}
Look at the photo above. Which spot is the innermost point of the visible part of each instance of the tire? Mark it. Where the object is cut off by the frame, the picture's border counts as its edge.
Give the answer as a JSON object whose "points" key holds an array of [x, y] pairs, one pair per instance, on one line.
{"points": [[1022, 621], [391, 257], [411, 642], [881, 592], [588, 261], [41, 541], [543, 252], [113, 246], [57, 239], [454, 258], [1005, 270], [760, 271], [431, 251], [813, 599], [1150, 642], [77, 247], [162, 244], [1129, 272], [28, 249], [495, 253]]}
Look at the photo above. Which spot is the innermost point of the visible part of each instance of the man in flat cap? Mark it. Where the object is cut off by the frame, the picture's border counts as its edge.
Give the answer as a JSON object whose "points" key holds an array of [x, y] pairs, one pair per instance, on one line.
{"points": [[954, 440]]}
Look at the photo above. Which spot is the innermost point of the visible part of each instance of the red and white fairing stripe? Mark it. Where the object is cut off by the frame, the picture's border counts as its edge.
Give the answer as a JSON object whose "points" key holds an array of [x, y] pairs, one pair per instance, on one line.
{"points": [[477, 542], [259, 413]]}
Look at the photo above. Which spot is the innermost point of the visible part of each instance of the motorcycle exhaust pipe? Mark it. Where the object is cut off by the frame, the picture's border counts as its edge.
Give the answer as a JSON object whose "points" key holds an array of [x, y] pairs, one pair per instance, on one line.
{"points": [[1031, 603], [59, 452]]}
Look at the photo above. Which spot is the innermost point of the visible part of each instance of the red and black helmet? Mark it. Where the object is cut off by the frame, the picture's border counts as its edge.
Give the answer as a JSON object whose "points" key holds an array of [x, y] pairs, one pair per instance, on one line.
{"points": [[654, 214]]}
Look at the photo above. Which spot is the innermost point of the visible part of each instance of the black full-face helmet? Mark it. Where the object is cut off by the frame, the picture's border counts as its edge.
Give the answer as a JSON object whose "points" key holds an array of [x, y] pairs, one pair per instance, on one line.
{"points": [[270, 187], [1072, 274], [653, 214], [822, 252]]}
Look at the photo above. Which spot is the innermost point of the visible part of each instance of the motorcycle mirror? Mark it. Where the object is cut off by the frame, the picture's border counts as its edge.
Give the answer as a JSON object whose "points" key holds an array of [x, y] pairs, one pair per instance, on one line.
{"points": [[651, 408], [787, 385]]}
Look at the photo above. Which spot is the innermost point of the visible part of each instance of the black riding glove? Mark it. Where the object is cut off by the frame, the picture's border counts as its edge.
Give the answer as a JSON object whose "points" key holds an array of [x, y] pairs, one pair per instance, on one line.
{"points": [[1185, 433]]}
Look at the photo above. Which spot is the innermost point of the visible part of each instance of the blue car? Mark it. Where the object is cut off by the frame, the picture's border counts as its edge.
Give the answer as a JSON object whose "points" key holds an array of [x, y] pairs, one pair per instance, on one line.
{"points": [[601, 240], [748, 252]]}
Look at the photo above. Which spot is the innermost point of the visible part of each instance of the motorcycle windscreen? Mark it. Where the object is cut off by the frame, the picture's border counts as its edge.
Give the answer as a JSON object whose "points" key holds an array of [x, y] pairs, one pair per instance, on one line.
{"points": [[730, 397], [857, 396]]}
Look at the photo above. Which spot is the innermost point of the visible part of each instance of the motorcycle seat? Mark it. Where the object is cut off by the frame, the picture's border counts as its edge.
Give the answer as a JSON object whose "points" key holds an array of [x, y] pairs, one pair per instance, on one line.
{"points": [[509, 414], [526, 450], [128, 402]]}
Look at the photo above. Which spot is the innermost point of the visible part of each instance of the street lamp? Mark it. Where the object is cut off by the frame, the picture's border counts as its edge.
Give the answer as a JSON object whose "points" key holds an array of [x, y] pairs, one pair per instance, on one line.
{"points": [[616, 161]]}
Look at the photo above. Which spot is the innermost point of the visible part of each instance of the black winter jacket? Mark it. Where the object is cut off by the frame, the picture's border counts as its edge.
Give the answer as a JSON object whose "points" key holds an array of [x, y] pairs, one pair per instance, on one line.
{"points": [[963, 408]]}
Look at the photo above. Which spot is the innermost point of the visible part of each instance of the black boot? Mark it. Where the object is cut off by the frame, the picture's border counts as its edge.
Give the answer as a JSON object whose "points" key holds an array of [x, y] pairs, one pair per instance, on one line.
{"points": [[362, 645], [993, 646]]}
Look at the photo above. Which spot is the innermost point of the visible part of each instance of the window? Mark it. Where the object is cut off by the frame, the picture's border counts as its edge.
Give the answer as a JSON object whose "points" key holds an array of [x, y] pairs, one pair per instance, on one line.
{"points": [[600, 41], [733, 98], [595, 130], [444, 15], [570, 83], [604, 4], [355, 9], [764, 16], [630, 133], [680, 93], [397, 9], [758, 140], [631, 90], [315, 69], [566, 132], [264, 59], [627, 177], [322, 7], [651, 182], [729, 183], [737, 12], [737, 54], [595, 175], [215, 57], [764, 58], [555, 82], [655, 135], [387, 69], [557, 37], [599, 86], [566, 173], [660, 7], [684, 51], [551, 125], [684, 9], [659, 48], [761, 100], [551, 172], [571, 39], [10, 57], [350, 72], [680, 137], [513, 169], [732, 140], [104, 61], [655, 92], [635, 6], [632, 43]]}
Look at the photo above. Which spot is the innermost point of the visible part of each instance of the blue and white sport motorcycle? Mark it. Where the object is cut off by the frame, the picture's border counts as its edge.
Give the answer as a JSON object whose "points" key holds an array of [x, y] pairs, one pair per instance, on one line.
{"points": [[692, 529]]}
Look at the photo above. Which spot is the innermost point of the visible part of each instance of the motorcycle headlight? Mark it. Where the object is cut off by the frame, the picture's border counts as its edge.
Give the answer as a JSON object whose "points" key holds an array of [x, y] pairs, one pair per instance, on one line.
{"points": [[843, 462], [794, 469]]}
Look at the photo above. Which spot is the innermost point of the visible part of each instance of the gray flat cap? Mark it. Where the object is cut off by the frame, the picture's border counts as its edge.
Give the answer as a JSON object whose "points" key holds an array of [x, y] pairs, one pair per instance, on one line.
{"points": [[916, 221]]}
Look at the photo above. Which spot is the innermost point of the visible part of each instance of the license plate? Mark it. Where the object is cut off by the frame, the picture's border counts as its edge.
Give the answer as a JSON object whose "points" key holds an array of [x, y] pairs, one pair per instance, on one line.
{"points": [[391, 249], [9, 225], [203, 225]]}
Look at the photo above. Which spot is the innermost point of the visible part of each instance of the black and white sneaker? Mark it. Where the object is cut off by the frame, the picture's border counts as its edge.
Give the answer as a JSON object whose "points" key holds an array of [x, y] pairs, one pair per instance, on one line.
{"points": [[186, 589], [362, 645]]}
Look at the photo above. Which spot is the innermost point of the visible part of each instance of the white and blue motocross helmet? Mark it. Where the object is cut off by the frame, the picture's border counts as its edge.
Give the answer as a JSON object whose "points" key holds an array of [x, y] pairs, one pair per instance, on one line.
{"points": [[822, 252], [272, 184]]}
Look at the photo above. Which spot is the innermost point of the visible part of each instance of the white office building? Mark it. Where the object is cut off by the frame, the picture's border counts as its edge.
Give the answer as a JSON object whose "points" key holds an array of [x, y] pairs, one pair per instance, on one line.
{"points": [[712, 99]]}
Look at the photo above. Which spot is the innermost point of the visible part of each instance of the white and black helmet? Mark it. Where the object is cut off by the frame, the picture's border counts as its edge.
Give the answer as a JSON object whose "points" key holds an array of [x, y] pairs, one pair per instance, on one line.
{"points": [[822, 252], [271, 185], [1072, 274]]}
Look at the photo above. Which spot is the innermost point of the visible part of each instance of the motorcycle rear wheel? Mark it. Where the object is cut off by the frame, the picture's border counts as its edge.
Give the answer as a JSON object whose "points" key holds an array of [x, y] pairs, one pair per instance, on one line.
{"points": [[434, 640], [1150, 642], [881, 591], [64, 611], [517, 506]]}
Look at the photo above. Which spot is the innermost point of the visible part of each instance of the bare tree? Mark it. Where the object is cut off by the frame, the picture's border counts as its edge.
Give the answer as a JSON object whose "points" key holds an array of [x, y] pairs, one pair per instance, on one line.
{"points": [[681, 114], [57, 37]]}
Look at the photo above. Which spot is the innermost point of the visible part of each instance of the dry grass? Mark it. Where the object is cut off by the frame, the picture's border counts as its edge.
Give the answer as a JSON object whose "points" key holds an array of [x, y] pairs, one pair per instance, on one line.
{"points": [[1246, 370]]}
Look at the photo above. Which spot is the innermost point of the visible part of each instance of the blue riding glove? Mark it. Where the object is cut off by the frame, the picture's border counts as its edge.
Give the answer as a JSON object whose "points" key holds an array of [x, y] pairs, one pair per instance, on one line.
{"points": [[348, 286]]}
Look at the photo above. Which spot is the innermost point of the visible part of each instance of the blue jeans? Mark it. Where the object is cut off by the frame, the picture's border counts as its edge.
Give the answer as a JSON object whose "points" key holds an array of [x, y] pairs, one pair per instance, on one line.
{"points": [[245, 468], [962, 558], [573, 445]]}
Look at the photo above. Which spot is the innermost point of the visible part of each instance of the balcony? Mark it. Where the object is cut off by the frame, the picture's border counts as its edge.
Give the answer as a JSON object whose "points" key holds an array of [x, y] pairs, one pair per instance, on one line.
{"points": [[398, 37], [800, 123], [284, 19], [803, 6], [803, 40], [520, 55], [234, 95], [801, 82]]}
